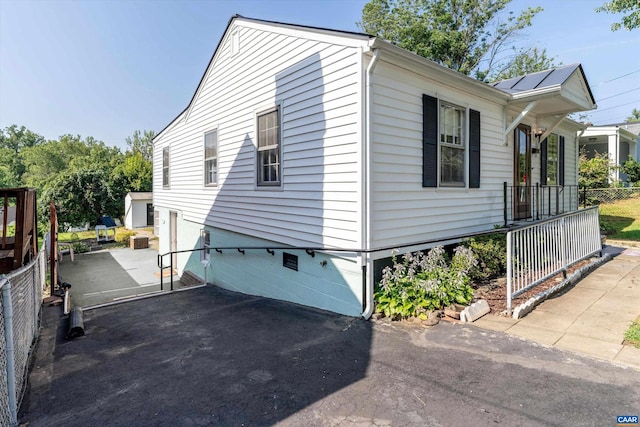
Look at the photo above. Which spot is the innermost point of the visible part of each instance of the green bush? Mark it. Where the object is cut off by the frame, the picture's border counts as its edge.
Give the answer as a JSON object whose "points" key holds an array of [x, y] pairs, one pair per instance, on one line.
{"points": [[123, 236], [80, 247], [606, 227], [423, 283], [491, 253]]}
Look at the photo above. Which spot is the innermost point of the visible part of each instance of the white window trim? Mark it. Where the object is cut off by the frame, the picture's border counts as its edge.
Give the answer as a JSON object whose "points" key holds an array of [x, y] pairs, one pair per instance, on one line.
{"points": [[465, 129], [205, 159], [205, 256], [278, 105], [167, 167]]}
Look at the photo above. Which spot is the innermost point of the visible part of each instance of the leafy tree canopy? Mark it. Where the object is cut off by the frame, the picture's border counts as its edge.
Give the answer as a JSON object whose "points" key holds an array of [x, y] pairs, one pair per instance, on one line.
{"points": [[634, 117], [525, 62], [142, 142], [82, 196], [83, 176], [631, 8], [632, 168], [469, 36], [593, 172]]}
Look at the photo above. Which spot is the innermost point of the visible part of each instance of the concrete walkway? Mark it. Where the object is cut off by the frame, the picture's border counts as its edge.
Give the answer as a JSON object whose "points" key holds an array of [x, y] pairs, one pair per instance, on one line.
{"points": [[590, 318], [109, 275]]}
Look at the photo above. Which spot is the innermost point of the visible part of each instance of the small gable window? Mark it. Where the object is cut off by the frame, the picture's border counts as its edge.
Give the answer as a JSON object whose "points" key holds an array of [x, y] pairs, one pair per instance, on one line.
{"points": [[451, 145], [211, 158], [165, 167], [269, 148]]}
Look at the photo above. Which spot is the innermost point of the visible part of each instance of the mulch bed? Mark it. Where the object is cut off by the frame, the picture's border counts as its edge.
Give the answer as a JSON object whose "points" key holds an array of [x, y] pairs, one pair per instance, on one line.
{"points": [[495, 291]]}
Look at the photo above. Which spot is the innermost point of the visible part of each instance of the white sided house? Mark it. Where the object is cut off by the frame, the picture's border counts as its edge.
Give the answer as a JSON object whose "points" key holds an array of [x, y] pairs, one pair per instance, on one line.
{"points": [[307, 154], [618, 140]]}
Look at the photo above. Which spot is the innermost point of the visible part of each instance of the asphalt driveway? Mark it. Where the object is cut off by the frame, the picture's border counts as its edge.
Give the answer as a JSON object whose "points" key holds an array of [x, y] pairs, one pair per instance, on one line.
{"points": [[211, 357]]}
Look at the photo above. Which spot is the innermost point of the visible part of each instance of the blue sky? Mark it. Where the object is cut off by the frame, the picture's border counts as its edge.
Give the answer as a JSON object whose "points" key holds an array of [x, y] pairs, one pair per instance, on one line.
{"points": [[106, 68]]}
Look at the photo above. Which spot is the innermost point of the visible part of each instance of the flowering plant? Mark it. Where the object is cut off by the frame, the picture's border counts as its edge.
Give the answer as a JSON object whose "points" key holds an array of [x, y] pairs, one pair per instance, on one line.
{"points": [[421, 283]]}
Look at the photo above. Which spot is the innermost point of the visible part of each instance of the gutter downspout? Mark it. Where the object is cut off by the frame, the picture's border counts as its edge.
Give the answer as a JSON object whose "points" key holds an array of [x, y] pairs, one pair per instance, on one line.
{"points": [[8, 336], [367, 271]]}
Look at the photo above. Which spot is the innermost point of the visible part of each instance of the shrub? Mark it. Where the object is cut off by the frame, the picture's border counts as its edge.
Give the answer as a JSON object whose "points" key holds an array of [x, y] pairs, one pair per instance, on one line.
{"points": [[606, 227], [491, 253], [423, 283], [80, 247], [123, 236]]}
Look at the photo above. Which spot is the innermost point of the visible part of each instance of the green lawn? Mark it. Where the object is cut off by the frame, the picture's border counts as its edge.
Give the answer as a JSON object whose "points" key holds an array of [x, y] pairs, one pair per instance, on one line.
{"points": [[623, 217], [632, 336]]}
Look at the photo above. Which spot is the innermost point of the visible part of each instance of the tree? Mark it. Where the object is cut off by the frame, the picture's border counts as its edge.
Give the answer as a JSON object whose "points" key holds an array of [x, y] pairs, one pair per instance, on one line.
{"points": [[593, 172], [632, 168], [81, 197], [13, 141], [135, 173], [634, 117], [525, 62], [142, 142], [630, 7], [469, 36]]}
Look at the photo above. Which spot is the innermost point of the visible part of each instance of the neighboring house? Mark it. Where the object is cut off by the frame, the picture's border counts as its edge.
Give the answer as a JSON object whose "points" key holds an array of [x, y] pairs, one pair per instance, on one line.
{"points": [[138, 210], [303, 137], [619, 140]]}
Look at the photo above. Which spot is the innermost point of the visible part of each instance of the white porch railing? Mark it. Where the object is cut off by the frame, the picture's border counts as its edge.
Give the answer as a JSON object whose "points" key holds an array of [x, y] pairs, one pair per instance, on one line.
{"points": [[539, 251]]}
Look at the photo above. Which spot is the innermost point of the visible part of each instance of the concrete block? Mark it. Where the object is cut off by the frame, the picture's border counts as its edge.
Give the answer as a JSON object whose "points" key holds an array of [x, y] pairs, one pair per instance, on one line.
{"points": [[475, 311]]}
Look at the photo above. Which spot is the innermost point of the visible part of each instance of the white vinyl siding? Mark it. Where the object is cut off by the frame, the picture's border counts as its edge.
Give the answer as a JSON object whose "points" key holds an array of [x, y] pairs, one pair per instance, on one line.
{"points": [[317, 85], [402, 210]]}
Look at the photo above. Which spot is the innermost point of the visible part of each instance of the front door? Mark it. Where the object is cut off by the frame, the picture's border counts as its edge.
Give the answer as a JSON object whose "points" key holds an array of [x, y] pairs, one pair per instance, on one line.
{"points": [[522, 172]]}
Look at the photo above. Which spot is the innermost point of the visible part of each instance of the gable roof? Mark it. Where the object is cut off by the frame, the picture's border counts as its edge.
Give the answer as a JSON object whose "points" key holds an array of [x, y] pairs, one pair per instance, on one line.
{"points": [[516, 91], [561, 81], [537, 80], [352, 34]]}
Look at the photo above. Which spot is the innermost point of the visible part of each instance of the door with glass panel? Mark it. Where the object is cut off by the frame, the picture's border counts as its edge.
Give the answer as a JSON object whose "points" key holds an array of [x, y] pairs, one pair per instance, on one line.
{"points": [[522, 172]]}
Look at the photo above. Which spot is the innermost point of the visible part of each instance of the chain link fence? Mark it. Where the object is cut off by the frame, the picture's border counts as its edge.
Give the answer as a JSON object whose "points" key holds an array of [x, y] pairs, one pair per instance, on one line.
{"points": [[21, 294], [612, 201]]}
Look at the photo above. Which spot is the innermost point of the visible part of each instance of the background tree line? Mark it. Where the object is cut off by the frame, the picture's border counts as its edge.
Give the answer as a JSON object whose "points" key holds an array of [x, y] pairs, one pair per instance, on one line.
{"points": [[84, 177]]}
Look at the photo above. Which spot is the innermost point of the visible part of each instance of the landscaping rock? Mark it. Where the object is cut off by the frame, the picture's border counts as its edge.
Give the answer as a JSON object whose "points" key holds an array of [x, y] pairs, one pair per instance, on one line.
{"points": [[431, 322], [475, 311]]}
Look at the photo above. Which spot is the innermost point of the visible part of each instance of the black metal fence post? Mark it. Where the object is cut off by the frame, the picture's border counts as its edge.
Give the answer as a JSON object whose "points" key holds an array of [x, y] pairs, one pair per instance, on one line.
{"points": [[505, 202]]}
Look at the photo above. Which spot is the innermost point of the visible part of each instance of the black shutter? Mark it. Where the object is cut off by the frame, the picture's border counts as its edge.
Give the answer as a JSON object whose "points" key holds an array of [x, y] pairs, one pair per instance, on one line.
{"points": [[429, 141], [561, 160], [474, 149], [543, 162]]}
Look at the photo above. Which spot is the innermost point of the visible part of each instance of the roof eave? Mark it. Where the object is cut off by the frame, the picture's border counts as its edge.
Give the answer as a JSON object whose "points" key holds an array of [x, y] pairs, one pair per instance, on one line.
{"points": [[405, 55]]}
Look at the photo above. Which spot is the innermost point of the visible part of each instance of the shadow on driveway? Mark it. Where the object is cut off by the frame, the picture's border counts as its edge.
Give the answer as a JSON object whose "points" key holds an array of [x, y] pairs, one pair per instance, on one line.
{"points": [[207, 356], [199, 357]]}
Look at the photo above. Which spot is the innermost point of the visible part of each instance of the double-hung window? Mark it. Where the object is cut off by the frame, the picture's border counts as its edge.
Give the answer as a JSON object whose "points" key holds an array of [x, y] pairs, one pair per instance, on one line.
{"points": [[552, 160], [165, 167], [211, 158], [269, 155], [451, 145]]}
